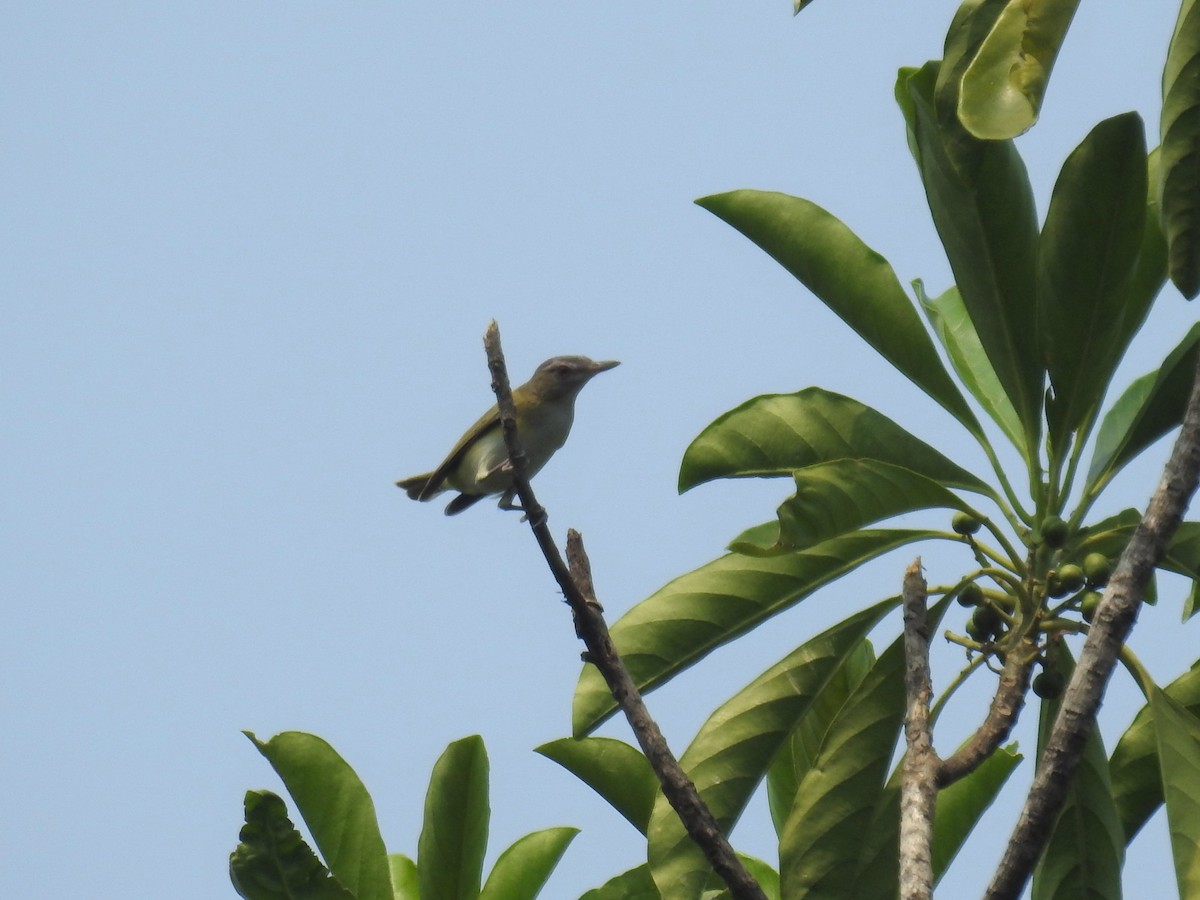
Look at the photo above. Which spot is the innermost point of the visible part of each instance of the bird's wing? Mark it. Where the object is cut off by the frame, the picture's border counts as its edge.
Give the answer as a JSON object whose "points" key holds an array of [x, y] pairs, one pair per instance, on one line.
{"points": [[488, 421]]}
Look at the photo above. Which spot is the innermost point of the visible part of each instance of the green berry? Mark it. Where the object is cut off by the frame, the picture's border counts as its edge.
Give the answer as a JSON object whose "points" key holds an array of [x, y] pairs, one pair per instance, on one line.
{"points": [[1049, 684], [964, 523], [1088, 602], [1070, 579], [1097, 568], [987, 622], [970, 595], [1054, 531]]}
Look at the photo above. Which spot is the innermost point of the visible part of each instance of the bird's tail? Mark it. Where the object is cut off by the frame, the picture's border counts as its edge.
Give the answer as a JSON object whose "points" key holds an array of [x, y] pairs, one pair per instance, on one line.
{"points": [[415, 486]]}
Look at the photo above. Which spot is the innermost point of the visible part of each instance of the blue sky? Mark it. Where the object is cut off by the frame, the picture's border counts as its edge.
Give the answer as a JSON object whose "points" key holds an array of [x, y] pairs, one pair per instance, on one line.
{"points": [[251, 252]]}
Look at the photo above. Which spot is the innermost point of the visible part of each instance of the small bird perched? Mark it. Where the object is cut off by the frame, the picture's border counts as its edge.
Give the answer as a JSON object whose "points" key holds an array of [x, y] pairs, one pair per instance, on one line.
{"points": [[478, 465]]}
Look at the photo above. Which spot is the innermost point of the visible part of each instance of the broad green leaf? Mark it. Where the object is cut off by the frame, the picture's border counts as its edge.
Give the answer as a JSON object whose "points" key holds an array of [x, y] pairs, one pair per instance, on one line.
{"points": [[798, 754], [962, 804], [272, 861], [822, 839], [636, 884], [1089, 249], [775, 434], [616, 771], [523, 869], [854, 281], [454, 834], [336, 808], [1003, 86], [733, 749], [954, 329], [983, 210], [958, 810], [404, 877], [798, 5], [841, 496], [1149, 408], [1177, 732], [1136, 777], [688, 618], [760, 871], [1180, 130], [1087, 847]]}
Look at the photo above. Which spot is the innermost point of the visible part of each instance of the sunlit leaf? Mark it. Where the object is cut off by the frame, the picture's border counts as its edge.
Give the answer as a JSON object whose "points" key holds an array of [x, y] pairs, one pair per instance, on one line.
{"points": [[636, 884], [983, 210], [1090, 246], [1136, 776], [798, 754], [850, 278], [522, 870], [454, 834], [836, 803], [404, 877], [1177, 733], [1087, 846], [616, 771], [733, 749], [336, 808], [1180, 130], [688, 618], [961, 805], [954, 329], [1149, 408], [1003, 86], [838, 497], [775, 434]]}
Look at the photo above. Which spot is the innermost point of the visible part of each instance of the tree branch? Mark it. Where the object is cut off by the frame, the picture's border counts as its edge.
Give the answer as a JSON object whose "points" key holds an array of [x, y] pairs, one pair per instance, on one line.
{"points": [[576, 584], [918, 791], [1111, 626]]}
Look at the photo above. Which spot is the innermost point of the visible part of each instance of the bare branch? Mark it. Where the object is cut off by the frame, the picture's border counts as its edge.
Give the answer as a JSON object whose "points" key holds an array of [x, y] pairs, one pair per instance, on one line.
{"points": [[1111, 626], [1001, 718], [918, 792], [576, 584]]}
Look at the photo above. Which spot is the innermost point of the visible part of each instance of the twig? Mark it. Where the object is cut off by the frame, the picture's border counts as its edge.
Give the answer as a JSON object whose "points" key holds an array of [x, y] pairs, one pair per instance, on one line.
{"points": [[918, 791], [576, 584], [1110, 628]]}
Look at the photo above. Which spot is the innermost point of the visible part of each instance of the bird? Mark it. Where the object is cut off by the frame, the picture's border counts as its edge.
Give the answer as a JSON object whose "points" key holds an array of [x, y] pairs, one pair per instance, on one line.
{"points": [[478, 465]]}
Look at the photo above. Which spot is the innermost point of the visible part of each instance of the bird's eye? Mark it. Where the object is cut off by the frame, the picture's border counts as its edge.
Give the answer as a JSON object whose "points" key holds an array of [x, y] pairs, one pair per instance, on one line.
{"points": [[561, 370]]}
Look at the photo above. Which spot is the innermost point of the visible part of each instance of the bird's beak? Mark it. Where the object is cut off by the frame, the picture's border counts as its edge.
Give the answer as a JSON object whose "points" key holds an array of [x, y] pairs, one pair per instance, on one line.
{"points": [[604, 365]]}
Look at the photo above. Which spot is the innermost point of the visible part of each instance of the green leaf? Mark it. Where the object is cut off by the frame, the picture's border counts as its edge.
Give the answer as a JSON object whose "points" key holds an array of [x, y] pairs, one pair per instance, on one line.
{"points": [[822, 841], [775, 434], [336, 808], [1180, 130], [1086, 849], [272, 861], [1136, 776], [838, 497], [1090, 246], [1177, 732], [1149, 408], [615, 770], [404, 877], [954, 329], [636, 884], [983, 210], [688, 618], [798, 754], [454, 833], [854, 281], [523, 869], [1003, 87], [732, 751], [962, 804]]}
